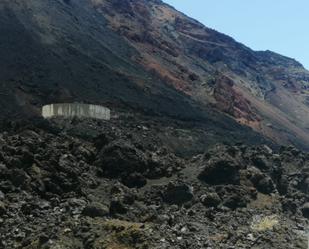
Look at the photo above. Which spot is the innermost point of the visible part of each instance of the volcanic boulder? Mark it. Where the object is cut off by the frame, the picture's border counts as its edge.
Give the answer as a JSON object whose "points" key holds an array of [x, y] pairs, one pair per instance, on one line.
{"points": [[132, 165], [262, 182], [210, 199], [96, 209], [234, 196], [121, 159], [220, 172], [178, 193]]}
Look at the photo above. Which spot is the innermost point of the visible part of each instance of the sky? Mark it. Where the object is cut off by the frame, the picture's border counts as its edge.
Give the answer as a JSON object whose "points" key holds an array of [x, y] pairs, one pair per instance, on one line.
{"points": [[281, 26]]}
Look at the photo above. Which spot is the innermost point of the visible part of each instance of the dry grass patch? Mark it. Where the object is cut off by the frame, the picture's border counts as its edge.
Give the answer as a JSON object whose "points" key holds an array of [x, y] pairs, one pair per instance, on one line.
{"points": [[123, 235], [262, 224]]}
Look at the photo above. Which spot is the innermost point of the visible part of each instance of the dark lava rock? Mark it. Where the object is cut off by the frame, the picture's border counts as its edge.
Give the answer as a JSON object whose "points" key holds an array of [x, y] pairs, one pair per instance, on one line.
{"points": [[210, 199], [95, 210], [134, 180], [305, 210], [260, 162], [178, 193], [132, 165], [289, 205], [220, 172], [121, 157], [304, 186], [43, 238], [117, 206], [46, 205], [263, 183], [234, 196], [102, 140], [2, 208], [235, 201], [20, 178], [27, 158]]}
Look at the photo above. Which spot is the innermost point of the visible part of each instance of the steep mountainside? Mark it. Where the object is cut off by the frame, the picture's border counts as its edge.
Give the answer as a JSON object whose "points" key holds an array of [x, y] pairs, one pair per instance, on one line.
{"points": [[264, 90], [147, 56]]}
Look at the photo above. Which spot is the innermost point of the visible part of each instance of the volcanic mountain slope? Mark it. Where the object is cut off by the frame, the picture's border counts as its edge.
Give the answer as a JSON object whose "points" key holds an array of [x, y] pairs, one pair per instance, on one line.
{"points": [[264, 90], [148, 56]]}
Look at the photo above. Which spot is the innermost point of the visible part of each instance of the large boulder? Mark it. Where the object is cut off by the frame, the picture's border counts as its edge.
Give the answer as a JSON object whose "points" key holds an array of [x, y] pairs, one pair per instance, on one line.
{"points": [[95, 209], [132, 165], [134, 180], [221, 165], [178, 193], [220, 172], [121, 158], [235, 196], [210, 199]]}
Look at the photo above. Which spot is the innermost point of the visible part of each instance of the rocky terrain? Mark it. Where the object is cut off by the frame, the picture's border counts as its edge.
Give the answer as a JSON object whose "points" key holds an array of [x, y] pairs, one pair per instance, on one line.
{"points": [[94, 184], [205, 147]]}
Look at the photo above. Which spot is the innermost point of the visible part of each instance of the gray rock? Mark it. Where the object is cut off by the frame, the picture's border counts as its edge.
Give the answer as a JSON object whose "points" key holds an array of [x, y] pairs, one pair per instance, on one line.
{"points": [[221, 171], [2, 196], [95, 209], [210, 199], [178, 193], [2, 208], [262, 182], [305, 210], [117, 206]]}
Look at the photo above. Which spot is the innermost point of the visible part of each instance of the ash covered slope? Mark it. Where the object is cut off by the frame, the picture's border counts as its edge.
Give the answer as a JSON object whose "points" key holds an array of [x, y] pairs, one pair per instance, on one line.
{"points": [[146, 55], [65, 51], [57, 51]]}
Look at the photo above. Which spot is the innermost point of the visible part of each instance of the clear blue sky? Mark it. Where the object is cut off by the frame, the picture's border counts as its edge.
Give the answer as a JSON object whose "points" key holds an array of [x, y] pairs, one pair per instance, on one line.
{"points": [[278, 25]]}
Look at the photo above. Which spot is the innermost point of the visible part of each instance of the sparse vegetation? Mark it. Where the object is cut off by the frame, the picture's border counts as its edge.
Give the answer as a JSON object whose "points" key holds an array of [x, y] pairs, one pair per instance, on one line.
{"points": [[123, 235], [262, 224]]}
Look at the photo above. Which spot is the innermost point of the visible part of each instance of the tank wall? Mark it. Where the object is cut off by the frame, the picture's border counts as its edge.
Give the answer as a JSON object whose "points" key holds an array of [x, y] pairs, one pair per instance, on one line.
{"points": [[76, 110]]}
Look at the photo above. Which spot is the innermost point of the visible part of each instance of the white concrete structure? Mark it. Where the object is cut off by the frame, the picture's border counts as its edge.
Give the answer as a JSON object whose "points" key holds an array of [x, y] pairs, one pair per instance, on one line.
{"points": [[76, 110]]}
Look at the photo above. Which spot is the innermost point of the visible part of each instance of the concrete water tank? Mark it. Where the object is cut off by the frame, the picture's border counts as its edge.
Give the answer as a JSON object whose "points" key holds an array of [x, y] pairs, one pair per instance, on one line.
{"points": [[76, 110]]}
